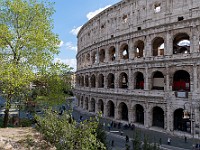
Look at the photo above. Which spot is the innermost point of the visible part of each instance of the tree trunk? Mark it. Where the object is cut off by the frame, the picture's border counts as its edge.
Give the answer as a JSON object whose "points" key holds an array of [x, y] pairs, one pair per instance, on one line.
{"points": [[5, 121]]}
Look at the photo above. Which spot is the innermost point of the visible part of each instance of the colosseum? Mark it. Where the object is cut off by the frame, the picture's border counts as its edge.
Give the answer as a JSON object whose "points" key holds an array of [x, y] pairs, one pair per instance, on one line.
{"points": [[138, 62]]}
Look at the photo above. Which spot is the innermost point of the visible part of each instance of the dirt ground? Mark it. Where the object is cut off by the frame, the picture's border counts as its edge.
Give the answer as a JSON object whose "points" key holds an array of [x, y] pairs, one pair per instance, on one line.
{"points": [[22, 139]]}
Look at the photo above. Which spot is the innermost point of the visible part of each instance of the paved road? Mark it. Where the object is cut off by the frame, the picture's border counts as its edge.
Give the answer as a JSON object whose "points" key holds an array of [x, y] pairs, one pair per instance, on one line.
{"points": [[177, 143]]}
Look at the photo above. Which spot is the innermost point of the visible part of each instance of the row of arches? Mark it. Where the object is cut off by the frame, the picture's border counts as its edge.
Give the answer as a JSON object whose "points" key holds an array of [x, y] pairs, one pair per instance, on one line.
{"points": [[181, 81], [181, 44], [122, 113]]}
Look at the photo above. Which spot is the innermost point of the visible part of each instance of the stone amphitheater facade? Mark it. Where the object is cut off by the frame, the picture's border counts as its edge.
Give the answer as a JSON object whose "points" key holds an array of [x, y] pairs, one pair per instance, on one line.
{"points": [[138, 62]]}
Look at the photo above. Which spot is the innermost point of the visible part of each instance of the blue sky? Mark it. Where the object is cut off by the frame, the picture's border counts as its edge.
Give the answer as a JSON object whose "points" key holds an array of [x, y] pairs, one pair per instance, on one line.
{"points": [[68, 18]]}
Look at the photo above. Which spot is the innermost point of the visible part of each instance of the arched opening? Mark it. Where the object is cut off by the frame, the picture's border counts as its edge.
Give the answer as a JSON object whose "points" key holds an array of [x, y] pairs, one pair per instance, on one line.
{"points": [[101, 106], [101, 81], [181, 81], [123, 80], [93, 81], [78, 80], [112, 53], [102, 55], [86, 103], [158, 46], [139, 112], [111, 80], [111, 109], [124, 53], [79, 101], [123, 111], [92, 105], [158, 81], [82, 80], [94, 57], [181, 124], [139, 84], [82, 102], [139, 48], [86, 81], [88, 58], [158, 117], [181, 44]]}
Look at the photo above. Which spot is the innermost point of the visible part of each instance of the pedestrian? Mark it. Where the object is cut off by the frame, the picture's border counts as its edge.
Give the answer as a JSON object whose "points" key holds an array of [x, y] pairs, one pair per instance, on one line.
{"points": [[160, 141], [127, 139], [108, 126], [169, 141], [112, 143], [185, 139]]}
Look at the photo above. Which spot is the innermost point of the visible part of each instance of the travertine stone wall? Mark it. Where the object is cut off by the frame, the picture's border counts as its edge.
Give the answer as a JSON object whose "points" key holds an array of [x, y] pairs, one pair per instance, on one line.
{"points": [[147, 37]]}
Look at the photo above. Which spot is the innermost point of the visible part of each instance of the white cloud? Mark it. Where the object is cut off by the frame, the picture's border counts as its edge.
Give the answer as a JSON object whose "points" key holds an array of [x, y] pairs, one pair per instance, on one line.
{"points": [[70, 46], [70, 62], [94, 13], [75, 30]]}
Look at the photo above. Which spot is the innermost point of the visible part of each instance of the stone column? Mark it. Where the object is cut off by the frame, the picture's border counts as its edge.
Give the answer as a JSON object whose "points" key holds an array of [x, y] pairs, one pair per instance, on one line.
{"points": [[116, 113], [194, 40], [167, 82], [195, 80], [96, 106], [107, 54], [168, 45], [117, 51], [131, 49], [148, 50], [116, 80], [105, 81], [130, 79], [105, 110], [146, 79], [169, 119], [147, 117]]}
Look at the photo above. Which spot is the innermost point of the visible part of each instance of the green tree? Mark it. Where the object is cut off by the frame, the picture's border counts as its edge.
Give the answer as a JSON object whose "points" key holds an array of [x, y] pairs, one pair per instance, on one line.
{"points": [[27, 44], [66, 134], [136, 140]]}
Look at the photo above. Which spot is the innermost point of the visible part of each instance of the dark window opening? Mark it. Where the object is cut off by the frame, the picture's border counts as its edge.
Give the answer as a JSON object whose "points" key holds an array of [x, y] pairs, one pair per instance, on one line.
{"points": [[158, 81], [139, 114], [139, 81], [181, 81], [111, 80]]}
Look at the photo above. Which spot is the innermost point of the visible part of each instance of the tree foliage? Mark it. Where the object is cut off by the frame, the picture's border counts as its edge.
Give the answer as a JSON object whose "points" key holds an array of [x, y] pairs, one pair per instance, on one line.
{"points": [[27, 46], [66, 134]]}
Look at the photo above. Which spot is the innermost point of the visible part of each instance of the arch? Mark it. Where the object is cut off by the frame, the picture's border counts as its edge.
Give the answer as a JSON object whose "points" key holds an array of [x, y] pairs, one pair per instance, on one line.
{"points": [[92, 104], [82, 80], [139, 49], [123, 111], [158, 46], [87, 81], [124, 52], [101, 81], [181, 43], [112, 53], [86, 103], [158, 81], [123, 80], [139, 114], [88, 58], [111, 80], [101, 106], [94, 57], [102, 55], [82, 102], [139, 81], [93, 81], [181, 81], [158, 117], [111, 109], [181, 124]]}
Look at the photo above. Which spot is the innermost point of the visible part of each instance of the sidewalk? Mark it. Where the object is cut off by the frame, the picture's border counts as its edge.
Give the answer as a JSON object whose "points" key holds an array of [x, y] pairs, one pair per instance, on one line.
{"points": [[177, 143]]}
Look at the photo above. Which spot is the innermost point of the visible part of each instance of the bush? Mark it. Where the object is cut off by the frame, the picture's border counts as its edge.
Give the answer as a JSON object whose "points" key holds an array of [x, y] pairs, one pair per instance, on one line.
{"points": [[66, 134]]}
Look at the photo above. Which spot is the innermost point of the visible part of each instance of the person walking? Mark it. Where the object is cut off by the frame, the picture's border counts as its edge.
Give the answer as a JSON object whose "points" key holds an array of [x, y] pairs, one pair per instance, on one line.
{"points": [[169, 141], [185, 139], [127, 139]]}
